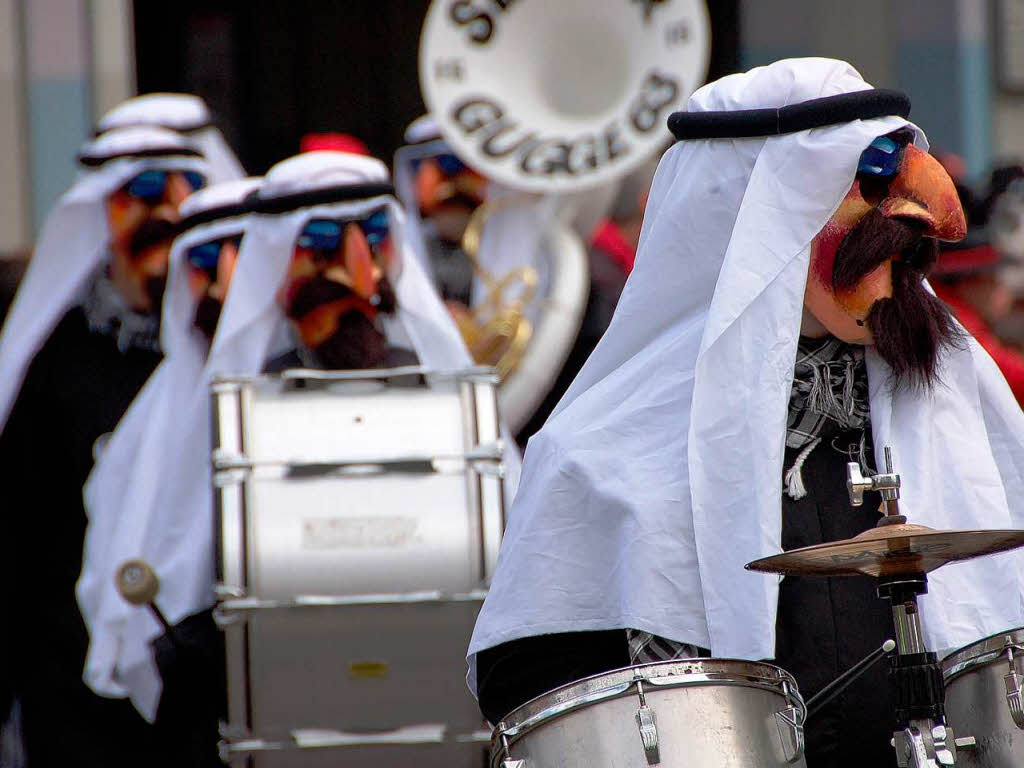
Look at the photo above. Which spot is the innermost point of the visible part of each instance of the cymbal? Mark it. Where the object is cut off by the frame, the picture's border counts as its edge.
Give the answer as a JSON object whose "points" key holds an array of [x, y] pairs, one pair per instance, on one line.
{"points": [[890, 550]]}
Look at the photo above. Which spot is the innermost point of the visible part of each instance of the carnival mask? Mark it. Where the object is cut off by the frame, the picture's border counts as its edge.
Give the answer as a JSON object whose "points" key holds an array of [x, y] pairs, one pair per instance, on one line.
{"points": [[868, 262], [448, 192], [141, 217], [209, 267], [337, 285]]}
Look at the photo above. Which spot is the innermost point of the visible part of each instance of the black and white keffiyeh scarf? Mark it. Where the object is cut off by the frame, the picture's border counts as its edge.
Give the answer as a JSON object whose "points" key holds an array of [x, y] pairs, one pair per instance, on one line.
{"points": [[830, 394]]}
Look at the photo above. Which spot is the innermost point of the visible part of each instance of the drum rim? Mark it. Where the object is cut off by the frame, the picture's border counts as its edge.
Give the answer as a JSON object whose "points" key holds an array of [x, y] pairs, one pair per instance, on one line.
{"points": [[617, 683], [981, 652]]}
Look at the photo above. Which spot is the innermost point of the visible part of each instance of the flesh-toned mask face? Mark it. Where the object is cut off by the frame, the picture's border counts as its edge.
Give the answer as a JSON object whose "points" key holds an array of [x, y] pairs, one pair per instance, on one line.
{"points": [[868, 262], [209, 267], [336, 286], [141, 216], [448, 192]]}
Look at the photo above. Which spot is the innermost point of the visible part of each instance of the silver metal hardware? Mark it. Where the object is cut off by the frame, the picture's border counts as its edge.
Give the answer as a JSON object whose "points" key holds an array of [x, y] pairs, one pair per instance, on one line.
{"points": [[944, 745], [926, 745], [249, 604], [316, 738], [513, 764], [887, 483], [909, 634], [1014, 698], [790, 722], [963, 742], [648, 725]]}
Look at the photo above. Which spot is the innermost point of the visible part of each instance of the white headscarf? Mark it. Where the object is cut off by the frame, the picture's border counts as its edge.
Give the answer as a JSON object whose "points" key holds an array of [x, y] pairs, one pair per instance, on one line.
{"points": [[184, 113], [659, 474], [121, 493], [180, 547], [74, 241]]}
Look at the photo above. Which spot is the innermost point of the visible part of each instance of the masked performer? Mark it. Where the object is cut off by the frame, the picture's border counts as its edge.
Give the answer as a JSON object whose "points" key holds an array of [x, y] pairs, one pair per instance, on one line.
{"points": [[184, 113], [167, 495], [776, 325], [120, 661], [79, 342]]}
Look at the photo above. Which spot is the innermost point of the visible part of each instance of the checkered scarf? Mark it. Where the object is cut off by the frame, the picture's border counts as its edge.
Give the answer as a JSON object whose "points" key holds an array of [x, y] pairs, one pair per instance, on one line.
{"points": [[830, 394]]}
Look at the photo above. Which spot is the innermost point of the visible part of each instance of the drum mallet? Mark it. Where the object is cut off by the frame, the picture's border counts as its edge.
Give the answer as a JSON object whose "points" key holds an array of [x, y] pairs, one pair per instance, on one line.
{"points": [[139, 585], [837, 686]]}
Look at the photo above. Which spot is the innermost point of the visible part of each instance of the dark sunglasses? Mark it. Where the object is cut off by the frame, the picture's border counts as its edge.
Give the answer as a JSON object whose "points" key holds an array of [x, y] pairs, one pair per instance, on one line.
{"points": [[149, 186], [325, 235], [449, 163], [205, 256], [883, 157]]}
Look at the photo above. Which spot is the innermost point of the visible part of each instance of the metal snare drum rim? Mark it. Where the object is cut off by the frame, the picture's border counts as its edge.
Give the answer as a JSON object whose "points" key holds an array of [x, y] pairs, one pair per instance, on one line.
{"points": [[606, 686], [984, 651]]}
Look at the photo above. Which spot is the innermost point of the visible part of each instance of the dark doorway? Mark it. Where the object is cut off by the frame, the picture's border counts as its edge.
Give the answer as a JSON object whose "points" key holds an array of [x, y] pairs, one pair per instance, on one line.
{"points": [[273, 70]]}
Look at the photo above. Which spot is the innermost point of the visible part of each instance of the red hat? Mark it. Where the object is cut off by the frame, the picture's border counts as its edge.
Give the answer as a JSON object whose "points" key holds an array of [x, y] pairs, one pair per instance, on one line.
{"points": [[337, 142]]}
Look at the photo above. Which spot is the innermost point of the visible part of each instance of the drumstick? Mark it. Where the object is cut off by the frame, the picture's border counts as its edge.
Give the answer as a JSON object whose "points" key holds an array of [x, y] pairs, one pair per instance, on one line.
{"points": [[139, 585], [837, 686]]}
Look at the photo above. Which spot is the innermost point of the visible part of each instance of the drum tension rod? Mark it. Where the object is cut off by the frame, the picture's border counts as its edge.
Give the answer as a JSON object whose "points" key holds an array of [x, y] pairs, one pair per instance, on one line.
{"points": [[841, 683]]}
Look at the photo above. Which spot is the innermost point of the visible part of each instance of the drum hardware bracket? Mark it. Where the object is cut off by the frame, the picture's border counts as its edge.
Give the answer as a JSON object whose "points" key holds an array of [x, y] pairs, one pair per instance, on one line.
{"points": [[648, 725], [924, 745], [1014, 698], [509, 762], [790, 722], [887, 483]]}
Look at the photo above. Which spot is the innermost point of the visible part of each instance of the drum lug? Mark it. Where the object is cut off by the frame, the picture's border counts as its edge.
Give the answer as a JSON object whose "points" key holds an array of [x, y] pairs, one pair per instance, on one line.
{"points": [[1013, 691], [791, 731], [513, 764], [648, 725]]}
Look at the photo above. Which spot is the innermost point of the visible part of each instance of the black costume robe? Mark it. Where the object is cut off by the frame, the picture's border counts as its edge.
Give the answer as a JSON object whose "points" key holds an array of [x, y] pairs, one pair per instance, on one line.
{"points": [[76, 389]]}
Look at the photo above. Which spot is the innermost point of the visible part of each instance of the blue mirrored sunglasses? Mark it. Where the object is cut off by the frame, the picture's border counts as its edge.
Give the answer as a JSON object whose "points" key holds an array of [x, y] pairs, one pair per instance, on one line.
{"points": [[206, 256], [449, 163], [882, 159], [150, 185], [326, 234]]}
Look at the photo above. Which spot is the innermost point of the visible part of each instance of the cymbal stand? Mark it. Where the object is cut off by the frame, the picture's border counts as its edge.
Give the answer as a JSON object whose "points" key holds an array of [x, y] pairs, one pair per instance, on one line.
{"points": [[922, 739]]}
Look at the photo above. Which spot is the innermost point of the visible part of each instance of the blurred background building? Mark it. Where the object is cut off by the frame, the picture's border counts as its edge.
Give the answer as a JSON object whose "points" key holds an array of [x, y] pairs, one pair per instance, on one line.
{"points": [[273, 71]]}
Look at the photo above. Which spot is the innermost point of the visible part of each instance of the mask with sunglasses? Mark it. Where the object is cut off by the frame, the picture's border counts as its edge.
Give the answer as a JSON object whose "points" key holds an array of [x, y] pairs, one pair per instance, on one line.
{"points": [[871, 257], [209, 267], [142, 216], [337, 284], [446, 187]]}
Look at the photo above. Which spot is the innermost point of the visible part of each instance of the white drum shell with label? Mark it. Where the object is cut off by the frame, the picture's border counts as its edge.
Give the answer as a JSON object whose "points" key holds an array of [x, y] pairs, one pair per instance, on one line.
{"points": [[359, 522]]}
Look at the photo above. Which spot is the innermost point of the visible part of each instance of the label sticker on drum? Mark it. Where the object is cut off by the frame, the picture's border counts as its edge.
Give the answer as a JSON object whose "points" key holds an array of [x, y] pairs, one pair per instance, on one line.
{"points": [[359, 532], [368, 670]]}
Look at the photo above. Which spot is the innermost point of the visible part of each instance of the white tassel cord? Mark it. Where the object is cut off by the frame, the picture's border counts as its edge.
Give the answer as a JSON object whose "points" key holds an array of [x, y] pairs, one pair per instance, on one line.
{"points": [[794, 478]]}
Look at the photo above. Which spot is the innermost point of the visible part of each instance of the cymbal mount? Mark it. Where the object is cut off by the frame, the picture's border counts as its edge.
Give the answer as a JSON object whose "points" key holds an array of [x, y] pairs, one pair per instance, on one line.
{"points": [[887, 484]]}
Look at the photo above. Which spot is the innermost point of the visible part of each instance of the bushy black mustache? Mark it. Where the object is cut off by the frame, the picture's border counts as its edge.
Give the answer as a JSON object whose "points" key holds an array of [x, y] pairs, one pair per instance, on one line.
{"points": [[319, 290], [874, 240], [151, 232], [912, 330]]}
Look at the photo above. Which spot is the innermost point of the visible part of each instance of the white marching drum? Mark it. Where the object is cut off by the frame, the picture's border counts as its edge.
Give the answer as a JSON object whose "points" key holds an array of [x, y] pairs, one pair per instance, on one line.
{"points": [[984, 700], [359, 516], [691, 713]]}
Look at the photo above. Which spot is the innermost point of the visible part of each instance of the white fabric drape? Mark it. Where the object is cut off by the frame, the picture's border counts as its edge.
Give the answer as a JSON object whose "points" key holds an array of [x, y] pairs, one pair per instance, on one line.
{"points": [[658, 475], [73, 243], [118, 492], [182, 112]]}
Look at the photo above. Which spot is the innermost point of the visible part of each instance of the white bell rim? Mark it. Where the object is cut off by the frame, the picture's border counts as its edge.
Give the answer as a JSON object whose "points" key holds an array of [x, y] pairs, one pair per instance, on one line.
{"points": [[584, 88]]}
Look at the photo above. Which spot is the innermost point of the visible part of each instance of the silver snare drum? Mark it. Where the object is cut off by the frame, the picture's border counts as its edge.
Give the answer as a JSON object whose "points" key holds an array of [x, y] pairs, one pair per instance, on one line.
{"points": [[359, 518], [983, 700], [696, 713]]}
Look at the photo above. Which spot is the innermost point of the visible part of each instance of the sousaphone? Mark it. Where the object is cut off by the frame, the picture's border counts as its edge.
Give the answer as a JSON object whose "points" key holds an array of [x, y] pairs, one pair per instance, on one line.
{"points": [[548, 100]]}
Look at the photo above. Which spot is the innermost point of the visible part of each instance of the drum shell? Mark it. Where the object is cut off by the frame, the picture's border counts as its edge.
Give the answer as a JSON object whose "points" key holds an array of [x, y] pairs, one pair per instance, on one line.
{"points": [[976, 702], [315, 565], [724, 719]]}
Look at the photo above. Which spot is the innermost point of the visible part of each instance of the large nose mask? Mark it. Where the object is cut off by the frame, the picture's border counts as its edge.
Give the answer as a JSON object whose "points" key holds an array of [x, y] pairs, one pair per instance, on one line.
{"points": [[210, 267], [901, 202], [338, 267]]}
